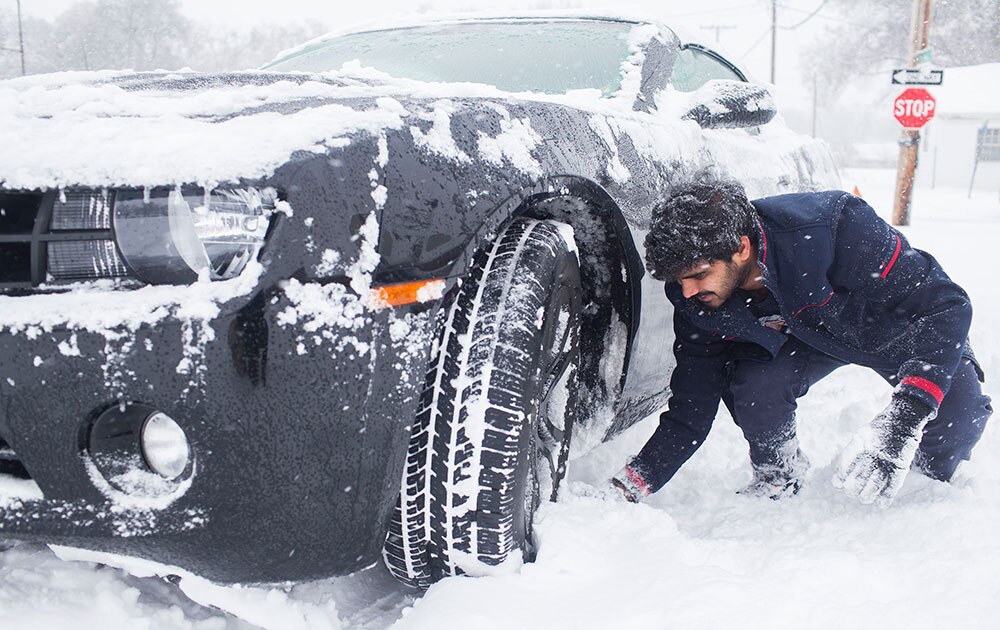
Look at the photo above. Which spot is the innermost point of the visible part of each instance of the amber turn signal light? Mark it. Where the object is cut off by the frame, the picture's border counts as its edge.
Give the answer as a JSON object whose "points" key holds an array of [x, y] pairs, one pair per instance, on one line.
{"points": [[407, 293]]}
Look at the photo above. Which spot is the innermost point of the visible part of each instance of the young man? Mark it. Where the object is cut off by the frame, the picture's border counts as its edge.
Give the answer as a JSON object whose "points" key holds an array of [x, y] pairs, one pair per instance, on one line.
{"points": [[771, 296]]}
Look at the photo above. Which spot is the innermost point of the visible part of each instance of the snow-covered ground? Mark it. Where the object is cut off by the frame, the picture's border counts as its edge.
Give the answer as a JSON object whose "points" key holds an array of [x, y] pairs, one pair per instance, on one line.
{"points": [[695, 555]]}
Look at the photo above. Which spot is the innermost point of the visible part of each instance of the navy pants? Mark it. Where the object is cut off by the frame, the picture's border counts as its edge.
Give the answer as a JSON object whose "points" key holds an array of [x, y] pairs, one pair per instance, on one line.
{"points": [[762, 397]]}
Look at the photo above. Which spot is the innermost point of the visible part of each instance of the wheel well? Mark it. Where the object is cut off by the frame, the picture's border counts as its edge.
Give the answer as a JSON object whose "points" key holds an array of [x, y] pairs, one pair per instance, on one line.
{"points": [[610, 270]]}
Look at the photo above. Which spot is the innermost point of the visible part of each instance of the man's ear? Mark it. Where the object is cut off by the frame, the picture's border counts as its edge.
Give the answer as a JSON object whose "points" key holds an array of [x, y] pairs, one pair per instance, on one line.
{"points": [[744, 252]]}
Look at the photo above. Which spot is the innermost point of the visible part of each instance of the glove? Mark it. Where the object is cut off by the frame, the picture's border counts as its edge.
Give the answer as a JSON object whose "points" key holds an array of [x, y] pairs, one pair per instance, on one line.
{"points": [[887, 448]]}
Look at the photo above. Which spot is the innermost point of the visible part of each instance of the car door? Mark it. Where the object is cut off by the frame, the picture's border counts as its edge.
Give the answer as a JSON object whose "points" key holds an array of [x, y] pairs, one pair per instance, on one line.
{"points": [[651, 359], [767, 160]]}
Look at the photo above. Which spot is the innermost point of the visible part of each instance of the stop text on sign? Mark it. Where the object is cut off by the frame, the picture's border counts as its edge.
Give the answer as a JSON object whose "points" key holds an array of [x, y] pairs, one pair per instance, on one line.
{"points": [[914, 107]]}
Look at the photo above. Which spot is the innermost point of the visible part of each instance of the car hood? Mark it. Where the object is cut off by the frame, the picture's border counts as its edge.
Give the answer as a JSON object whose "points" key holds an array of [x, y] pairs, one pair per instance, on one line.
{"points": [[162, 128]]}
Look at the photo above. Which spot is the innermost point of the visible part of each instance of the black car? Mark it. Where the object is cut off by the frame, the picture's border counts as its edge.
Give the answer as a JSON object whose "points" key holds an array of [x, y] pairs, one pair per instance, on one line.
{"points": [[277, 325]]}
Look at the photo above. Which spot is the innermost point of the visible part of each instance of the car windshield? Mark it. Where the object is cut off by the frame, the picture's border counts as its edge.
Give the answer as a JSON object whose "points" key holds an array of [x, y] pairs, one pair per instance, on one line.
{"points": [[552, 57]]}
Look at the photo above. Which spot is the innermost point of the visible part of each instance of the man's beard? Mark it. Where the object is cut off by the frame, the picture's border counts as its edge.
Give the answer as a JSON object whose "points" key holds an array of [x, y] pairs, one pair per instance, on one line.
{"points": [[736, 276]]}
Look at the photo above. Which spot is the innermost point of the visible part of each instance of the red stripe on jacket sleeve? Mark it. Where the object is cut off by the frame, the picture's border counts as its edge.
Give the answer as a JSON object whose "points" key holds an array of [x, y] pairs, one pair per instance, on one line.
{"points": [[899, 245], [924, 384]]}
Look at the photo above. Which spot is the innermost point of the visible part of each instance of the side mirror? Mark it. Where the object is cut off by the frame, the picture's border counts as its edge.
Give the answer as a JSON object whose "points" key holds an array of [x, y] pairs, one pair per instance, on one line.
{"points": [[723, 104]]}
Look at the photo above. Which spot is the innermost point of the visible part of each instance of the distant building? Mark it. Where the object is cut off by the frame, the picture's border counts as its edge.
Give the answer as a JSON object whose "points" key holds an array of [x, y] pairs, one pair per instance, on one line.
{"points": [[967, 101]]}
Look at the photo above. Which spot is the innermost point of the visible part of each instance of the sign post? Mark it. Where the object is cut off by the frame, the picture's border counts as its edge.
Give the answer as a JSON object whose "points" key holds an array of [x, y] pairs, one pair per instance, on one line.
{"points": [[913, 108]]}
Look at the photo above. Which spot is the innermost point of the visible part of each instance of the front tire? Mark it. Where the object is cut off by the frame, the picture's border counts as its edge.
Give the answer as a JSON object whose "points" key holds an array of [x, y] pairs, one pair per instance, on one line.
{"points": [[492, 434]]}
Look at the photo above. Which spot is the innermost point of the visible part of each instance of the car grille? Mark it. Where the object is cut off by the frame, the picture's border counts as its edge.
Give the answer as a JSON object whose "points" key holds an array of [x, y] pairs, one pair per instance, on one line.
{"points": [[52, 237]]}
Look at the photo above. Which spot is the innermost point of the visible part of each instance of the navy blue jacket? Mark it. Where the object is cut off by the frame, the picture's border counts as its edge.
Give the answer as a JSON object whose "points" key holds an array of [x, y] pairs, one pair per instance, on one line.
{"points": [[847, 284]]}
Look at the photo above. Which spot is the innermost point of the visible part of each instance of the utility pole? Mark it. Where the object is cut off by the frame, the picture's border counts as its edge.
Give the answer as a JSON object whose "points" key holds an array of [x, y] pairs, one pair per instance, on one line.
{"points": [[717, 28], [774, 35], [20, 39], [815, 99], [909, 140], [20, 36]]}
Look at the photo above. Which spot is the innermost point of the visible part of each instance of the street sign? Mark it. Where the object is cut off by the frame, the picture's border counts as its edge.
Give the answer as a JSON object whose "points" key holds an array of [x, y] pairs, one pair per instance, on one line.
{"points": [[914, 107], [913, 76]]}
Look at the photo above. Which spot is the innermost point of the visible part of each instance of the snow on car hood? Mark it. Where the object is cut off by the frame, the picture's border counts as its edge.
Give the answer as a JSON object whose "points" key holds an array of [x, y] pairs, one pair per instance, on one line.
{"points": [[114, 128]]}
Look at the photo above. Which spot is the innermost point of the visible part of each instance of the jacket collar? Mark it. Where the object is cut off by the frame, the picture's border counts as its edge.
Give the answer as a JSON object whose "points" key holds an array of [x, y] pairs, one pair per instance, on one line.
{"points": [[763, 253], [762, 242]]}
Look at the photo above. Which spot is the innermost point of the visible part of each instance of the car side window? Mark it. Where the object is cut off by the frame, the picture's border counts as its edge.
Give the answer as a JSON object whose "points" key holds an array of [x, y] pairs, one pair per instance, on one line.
{"points": [[694, 67]]}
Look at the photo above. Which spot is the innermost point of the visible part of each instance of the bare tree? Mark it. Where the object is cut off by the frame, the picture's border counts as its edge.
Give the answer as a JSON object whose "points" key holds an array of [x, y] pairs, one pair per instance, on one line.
{"points": [[141, 35], [214, 49], [116, 34], [966, 32], [873, 37]]}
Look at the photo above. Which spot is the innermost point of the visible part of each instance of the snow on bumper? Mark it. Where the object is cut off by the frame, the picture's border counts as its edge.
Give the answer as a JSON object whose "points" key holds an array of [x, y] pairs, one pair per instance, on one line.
{"points": [[297, 423]]}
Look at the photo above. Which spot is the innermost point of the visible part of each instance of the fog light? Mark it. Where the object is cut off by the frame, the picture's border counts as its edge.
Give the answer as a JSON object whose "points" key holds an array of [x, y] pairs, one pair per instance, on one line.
{"points": [[164, 446], [140, 451]]}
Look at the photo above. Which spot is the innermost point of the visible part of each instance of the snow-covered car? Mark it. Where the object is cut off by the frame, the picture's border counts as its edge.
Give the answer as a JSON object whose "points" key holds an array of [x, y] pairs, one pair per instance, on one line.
{"points": [[275, 325]]}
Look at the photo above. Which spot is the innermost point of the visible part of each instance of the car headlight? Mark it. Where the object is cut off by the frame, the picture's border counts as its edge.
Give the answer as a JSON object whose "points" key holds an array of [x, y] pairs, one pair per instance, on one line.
{"points": [[175, 236]]}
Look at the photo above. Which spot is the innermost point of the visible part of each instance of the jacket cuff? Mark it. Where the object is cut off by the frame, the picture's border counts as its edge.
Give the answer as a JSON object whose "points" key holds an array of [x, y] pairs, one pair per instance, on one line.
{"points": [[633, 482], [922, 389]]}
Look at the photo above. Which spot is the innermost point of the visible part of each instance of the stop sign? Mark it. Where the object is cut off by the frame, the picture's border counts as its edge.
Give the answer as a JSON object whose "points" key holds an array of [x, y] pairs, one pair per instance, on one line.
{"points": [[914, 107]]}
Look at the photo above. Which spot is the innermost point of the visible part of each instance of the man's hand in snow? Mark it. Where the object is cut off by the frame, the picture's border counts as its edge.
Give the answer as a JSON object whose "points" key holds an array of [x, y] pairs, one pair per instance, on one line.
{"points": [[630, 484], [887, 448]]}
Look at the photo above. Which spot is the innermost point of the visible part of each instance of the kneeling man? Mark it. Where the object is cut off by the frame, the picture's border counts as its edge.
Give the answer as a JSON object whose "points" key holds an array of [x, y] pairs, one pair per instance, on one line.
{"points": [[771, 296]]}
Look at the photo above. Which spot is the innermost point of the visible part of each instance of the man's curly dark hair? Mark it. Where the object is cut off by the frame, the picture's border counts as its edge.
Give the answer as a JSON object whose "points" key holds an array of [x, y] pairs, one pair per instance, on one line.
{"points": [[699, 220]]}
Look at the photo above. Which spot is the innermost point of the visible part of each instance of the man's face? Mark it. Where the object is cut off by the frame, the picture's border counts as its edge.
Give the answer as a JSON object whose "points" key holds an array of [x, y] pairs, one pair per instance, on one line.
{"points": [[710, 282]]}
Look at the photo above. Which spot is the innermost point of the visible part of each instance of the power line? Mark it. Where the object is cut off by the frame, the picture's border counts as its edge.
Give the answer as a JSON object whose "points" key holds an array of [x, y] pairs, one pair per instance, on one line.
{"points": [[821, 17], [757, 42], [717, 28], [710, 11], [807, 18]]}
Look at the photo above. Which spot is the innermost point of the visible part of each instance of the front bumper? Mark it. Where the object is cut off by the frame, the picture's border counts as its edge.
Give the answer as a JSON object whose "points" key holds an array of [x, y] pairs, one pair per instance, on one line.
{"points": [[297, 421]]}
